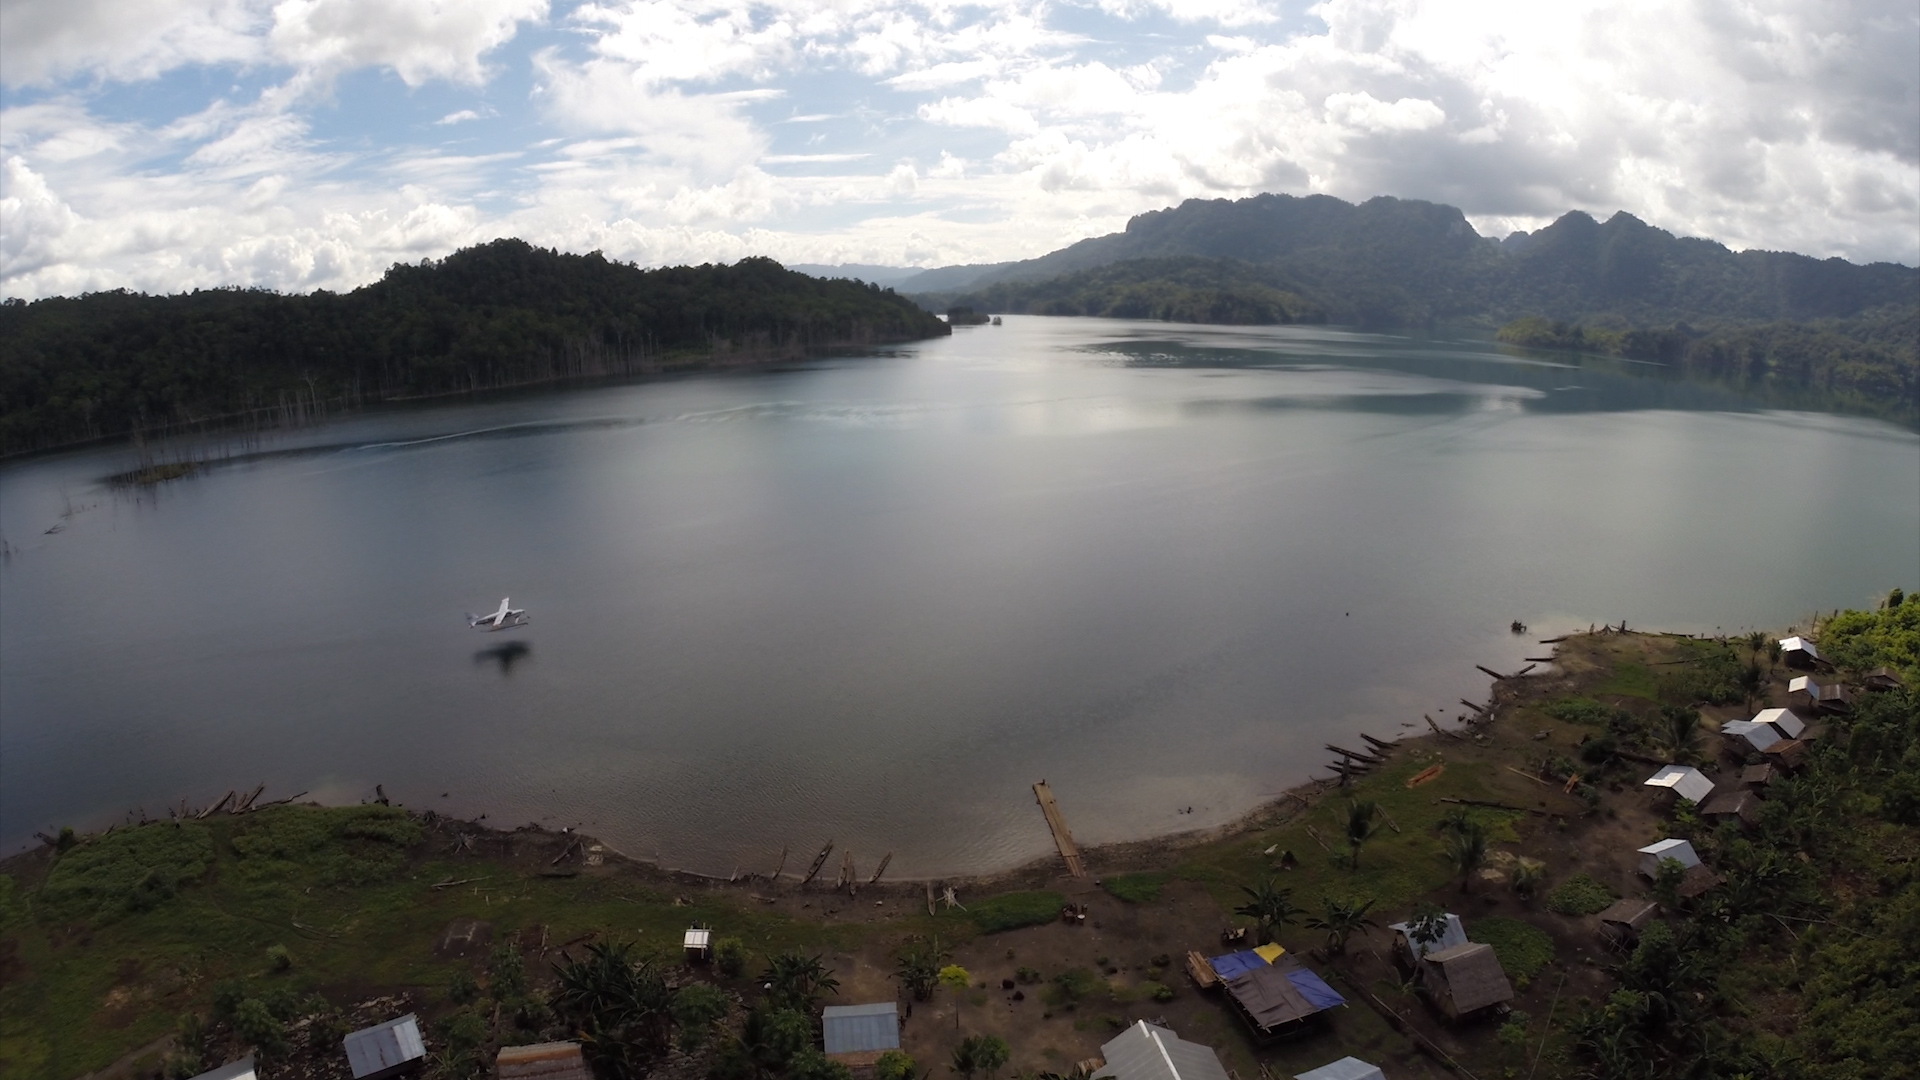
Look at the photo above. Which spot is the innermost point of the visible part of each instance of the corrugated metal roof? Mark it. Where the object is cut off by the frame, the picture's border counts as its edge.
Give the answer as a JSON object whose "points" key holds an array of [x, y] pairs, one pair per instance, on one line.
{"points": [[1755, 734], [1785, 720], [852, 1029], [384, 1046], [1690, 783], [1148, 1052], [233, 1070], [1675, 848], [1799, 644], [697, 938], [1455, 933], [1347, 1068]]}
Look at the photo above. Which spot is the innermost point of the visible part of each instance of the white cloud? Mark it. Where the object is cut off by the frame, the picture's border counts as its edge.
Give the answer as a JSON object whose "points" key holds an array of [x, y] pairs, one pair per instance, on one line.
{"points": [[932, 132]]}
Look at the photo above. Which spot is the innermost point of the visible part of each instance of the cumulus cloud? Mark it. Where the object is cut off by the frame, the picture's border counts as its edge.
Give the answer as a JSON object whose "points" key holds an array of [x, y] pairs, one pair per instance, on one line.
{"points": [[883, 131]]}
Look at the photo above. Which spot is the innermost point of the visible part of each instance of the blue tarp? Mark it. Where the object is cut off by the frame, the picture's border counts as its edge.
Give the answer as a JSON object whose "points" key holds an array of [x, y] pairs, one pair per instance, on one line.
{"points": [[1314, 989], [1237, 963]]}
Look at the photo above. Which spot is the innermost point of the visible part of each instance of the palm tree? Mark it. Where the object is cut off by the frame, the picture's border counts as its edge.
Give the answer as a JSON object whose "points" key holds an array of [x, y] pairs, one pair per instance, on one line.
{"points": [[919, 969], [1752, 682], [1679, 732], [1360, 828], [1467, 852], [990, 1052], [618, 1004], [798, 982], [1343, 917], [1269, 905]]}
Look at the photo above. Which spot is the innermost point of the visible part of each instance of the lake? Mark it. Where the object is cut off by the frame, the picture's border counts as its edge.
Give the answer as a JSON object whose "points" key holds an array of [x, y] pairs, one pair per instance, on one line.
{"points": [[874, 598]]}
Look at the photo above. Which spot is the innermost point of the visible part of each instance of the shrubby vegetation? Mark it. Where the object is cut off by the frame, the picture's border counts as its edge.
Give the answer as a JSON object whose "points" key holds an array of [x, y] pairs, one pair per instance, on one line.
{"points": [[1175, 290], [503, 313]]}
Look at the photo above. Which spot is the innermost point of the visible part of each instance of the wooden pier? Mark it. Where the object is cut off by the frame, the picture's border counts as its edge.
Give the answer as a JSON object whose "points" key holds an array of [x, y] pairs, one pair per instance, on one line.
{"points": [[1062, 839]]}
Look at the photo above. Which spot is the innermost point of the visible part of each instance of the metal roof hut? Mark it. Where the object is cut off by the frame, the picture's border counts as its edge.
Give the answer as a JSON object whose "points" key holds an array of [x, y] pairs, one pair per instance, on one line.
{"points": [[1277, 999], [1822, 697], [1347, 1068], [1684, 780], [856, 1035], [1676, 849], [1621, 923], [1882, 678], [385, 1050], [1743, 803], [1798, 652], [1465, 980], [1410, 952], [543, 1061], [1749, 736], [698, 944], [232, 1070], [1148, 1052], [1784, 721]]}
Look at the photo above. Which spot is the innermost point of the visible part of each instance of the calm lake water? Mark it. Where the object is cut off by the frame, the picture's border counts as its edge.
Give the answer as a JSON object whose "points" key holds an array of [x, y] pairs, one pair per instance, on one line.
{"points": [[875, 598]]}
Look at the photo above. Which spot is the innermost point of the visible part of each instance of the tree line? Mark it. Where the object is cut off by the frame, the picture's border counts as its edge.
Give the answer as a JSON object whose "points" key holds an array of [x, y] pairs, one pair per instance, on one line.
{"points": [[499, 314]]}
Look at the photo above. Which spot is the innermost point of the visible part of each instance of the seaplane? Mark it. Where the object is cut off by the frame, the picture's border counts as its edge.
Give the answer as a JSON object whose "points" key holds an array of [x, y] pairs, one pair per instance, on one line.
{"points": [[505, 619]]}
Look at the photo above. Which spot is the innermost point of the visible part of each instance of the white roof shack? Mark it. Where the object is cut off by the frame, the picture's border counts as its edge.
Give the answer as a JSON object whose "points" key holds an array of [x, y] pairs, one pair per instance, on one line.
{"points": [[1654, 854], [1686, 781], [1750, 735], [1148, 1052], [236, 1070], [1347, 1068], [1783, 720], [1453, 933], [1798, 652], [698, 943], [385, 1050], [1803, 684]]}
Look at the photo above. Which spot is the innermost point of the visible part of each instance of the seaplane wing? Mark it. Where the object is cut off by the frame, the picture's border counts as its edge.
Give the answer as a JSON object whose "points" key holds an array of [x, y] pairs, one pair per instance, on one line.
{"points": [[504, 619]]}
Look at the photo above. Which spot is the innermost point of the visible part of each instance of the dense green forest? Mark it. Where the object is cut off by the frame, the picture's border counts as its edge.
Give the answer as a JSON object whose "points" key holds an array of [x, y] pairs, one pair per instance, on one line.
{"points": [[501, 314], [1869, 364], [1174, 289]]}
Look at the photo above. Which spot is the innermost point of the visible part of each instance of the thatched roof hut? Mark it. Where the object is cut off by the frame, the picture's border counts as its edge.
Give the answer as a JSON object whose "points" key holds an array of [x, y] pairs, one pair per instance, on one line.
{"points": [[1465, 980]]}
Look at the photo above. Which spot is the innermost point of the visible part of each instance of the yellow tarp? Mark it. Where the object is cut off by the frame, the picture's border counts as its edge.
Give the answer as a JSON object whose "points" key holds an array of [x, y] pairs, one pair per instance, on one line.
{"points": [[1270, 953]]}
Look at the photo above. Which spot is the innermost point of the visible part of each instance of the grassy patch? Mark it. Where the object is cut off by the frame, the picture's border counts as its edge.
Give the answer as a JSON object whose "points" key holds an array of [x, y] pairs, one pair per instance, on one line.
{"points": [[1135, 888], [1631, 678], [1522, 947], [132, 870], [1579, 710], [1011, 911], [1580, 895]]}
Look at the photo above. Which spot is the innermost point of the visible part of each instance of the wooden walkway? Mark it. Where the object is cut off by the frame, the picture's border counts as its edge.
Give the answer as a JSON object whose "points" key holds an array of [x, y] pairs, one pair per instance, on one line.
{"points": [[1062, 839]]}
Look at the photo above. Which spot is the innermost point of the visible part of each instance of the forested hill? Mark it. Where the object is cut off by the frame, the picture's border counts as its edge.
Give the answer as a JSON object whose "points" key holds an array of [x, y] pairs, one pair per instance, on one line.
{"points": [[1395, 262], [500, 314]]}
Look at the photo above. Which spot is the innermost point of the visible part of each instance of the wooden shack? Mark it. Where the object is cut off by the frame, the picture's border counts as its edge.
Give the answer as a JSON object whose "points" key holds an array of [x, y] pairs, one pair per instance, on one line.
{"points": [[1621, 923], [1739, 802], [1882, 679], [1466, 981]]}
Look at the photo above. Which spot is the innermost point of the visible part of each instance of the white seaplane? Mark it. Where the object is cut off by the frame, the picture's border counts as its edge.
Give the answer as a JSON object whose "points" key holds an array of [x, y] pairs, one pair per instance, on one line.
{"points": [[505, 619]]}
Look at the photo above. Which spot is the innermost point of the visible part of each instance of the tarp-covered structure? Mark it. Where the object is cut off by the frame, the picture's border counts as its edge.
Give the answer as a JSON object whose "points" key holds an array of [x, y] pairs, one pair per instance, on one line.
{"points": [[1149, 1052], [1275, 998]]}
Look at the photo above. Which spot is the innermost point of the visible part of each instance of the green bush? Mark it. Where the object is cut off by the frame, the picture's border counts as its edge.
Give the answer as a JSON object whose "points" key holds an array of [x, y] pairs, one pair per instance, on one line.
{"points": [[1579, 711], [354, 845], [1580, 895], [278, 958], [1135, 888], [1158, 991], [1523, 948], [696, 1008], [1012, 911], [127, 870], [895, 1065], [1071, 987], [462, 989], [730, 956]]}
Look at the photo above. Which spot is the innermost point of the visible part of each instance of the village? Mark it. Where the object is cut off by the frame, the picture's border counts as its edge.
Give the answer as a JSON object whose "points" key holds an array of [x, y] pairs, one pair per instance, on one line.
{"points": [[1447, 902]]}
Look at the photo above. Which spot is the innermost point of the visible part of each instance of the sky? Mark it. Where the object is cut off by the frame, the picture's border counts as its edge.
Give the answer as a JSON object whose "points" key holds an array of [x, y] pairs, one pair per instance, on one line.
{"points": [[166, 145]]}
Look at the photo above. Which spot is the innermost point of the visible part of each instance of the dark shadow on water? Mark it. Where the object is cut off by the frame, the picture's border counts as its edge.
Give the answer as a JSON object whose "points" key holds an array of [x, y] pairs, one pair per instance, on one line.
{"points": [[506, 654]]}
